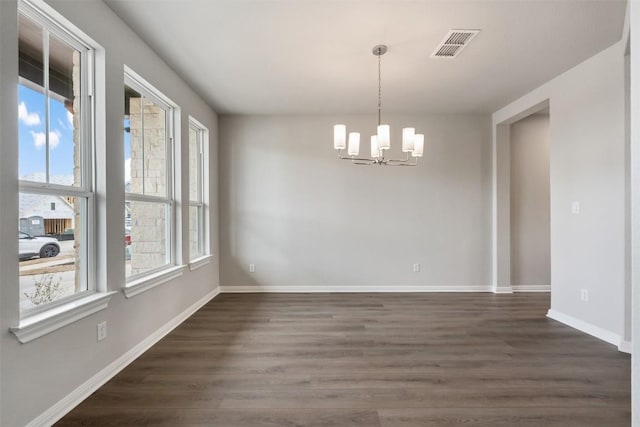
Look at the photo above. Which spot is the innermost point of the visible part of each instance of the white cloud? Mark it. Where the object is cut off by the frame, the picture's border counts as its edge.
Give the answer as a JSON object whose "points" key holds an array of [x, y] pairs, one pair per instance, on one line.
{"points": [[70, 119], [29, 119], [39, 138], [127, 170]]}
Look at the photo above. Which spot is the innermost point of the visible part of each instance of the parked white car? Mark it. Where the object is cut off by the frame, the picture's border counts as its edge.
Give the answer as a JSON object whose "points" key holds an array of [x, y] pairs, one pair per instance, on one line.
{"points": [[30, 246]]}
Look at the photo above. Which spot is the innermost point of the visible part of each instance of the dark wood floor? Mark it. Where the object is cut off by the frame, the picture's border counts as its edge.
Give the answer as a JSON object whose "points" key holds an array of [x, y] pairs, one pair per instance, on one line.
{"points": [[369, 360]]}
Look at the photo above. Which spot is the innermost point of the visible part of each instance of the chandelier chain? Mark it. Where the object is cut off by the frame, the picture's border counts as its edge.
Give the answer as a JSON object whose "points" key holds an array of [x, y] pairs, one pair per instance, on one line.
{"points": [[379, 87]]}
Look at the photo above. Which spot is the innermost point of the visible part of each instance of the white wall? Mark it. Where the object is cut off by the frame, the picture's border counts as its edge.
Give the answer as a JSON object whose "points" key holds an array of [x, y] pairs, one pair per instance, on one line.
{"points": [[37, 375], [530, 223], [308, 220], [588, 164]]}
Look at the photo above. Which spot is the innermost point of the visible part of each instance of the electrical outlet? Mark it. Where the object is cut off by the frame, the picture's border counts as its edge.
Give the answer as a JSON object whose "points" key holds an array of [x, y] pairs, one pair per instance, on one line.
{"points": [[416, 268], [252, 268], [102, 330], [584, 295]]}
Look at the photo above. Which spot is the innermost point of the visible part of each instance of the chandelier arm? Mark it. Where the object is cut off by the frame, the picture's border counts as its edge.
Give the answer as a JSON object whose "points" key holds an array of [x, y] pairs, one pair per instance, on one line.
{"points": [[400, 160], [399, 163], [405, 162], [341, 156], [362, 159], [402, 164]]}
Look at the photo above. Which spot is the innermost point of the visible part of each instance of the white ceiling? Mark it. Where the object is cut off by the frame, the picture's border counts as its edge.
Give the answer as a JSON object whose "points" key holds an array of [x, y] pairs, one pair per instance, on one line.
{"points": [[314, 56]]}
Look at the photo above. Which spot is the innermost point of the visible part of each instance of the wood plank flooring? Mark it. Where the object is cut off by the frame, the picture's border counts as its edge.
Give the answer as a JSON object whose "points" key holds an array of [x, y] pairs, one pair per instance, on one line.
{"points": [[369, 360]]}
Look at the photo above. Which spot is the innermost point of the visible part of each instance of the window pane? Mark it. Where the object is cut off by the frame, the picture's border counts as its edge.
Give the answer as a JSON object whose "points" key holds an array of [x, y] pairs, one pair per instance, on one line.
{"points": [[145, 145], [148, 237], [31, 102], [64, 113], [155, 150], [48, 110], [194, 165], [50, 248], [195, 232]]}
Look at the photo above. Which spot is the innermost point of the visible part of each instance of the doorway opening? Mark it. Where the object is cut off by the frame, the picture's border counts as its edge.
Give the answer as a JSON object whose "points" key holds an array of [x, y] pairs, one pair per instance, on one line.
{"points": [[530, 203], [525, 124]]}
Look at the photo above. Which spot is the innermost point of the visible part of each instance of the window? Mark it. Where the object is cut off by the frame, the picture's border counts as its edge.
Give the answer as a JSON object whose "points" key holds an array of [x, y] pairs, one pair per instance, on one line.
{"points": [[198, 141], [56, 145], [149, 214]]}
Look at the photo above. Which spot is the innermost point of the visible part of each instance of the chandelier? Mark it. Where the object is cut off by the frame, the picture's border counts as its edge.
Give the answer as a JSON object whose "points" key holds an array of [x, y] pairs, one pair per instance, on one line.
{"points": [[412, 142]]}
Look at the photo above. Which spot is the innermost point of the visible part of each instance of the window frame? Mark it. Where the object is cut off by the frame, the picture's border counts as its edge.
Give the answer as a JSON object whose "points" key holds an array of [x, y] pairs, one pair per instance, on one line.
{"points": [[202, 202], [86, 190], [137, 283], [31, 325]]}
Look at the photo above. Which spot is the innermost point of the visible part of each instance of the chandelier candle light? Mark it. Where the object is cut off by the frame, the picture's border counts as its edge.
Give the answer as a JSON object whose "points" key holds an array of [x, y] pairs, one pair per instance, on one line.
{"points": [[412, 142]]}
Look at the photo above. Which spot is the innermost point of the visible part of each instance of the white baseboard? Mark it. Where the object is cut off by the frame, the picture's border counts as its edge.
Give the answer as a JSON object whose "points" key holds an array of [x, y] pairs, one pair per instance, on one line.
{"points": [[625, 346], [371, 288], [351, 288], [73, 399], [532, 288], [586, 327]]}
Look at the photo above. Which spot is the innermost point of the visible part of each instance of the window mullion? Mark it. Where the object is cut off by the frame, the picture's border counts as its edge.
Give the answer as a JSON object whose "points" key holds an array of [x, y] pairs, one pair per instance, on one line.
{"points": [[134, 197], [47, 106], [142, 138], [200, 165], [169, 185], [87, 110], [53, 189]]}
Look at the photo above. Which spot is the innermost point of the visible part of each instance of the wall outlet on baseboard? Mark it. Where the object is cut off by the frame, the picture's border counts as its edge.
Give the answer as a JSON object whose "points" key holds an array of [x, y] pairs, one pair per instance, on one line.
{"points": [[102, 330], [584, 295], [416, 268], [252, 268]]}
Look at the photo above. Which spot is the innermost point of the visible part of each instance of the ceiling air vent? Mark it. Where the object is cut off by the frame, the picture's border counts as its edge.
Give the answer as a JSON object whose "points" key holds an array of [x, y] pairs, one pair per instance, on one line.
{"points": [[453, 43]]}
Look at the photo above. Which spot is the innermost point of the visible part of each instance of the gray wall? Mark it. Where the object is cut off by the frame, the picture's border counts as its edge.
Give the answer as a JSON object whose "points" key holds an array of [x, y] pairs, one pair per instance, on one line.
{"points": [[37, 375], [587, 164], [307, 219], [530, 223]]}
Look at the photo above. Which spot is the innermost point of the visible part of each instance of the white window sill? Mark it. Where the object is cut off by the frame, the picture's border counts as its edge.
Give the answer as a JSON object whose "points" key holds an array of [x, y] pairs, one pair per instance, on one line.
{"points": [[146, 283], [40, 324], [199, 262]]}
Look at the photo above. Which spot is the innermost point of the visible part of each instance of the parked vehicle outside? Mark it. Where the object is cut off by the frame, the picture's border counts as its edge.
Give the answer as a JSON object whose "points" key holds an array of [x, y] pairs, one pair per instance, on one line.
{"points": [[127, 243], [30, 246]]}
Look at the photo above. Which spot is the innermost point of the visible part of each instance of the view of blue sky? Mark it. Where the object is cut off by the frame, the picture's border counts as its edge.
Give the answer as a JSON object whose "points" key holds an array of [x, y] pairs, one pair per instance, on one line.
{"points": [[32, 136]]}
